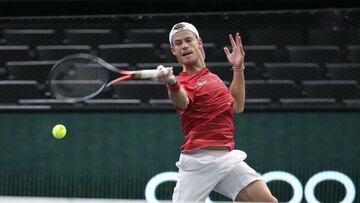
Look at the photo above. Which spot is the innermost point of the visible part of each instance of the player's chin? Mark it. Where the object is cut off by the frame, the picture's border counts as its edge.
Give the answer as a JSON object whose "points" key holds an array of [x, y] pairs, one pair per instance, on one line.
{"points": [[188, 60]]}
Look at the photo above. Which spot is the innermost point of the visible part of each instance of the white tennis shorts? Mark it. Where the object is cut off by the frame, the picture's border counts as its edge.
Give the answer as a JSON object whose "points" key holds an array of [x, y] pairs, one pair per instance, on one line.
{"points": [[202, 171]]}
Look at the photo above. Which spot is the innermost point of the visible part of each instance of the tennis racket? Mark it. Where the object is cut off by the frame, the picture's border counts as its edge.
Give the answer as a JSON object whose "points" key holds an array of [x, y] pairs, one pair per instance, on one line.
{"points": [[79, 77]]}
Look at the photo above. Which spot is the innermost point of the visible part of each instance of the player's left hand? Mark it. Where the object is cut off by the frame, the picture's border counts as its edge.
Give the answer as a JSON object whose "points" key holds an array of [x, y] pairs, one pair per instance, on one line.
{"points": [[236, 57]]}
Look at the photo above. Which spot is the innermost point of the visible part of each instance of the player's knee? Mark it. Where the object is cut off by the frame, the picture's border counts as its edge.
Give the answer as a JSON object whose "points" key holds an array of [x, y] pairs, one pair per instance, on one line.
{"points": [[265, 198], [271, 199]]}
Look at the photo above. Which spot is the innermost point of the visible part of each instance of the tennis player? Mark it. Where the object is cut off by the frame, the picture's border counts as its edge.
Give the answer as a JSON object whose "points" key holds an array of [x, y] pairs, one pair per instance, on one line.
{"points": [[206, 106]]}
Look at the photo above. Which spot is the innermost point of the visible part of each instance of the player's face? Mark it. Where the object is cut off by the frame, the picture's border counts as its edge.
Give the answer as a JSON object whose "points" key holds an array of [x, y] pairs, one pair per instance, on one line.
{"points": [[186, 47]]}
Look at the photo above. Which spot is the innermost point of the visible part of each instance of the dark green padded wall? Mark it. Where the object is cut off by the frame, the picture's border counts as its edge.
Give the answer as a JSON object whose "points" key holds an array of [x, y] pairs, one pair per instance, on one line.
{"points": [[113, 155]]}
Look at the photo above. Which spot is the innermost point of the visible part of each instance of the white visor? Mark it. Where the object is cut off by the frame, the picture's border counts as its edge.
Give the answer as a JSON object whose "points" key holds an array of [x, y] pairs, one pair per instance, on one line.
{"points": [[183, 26]]}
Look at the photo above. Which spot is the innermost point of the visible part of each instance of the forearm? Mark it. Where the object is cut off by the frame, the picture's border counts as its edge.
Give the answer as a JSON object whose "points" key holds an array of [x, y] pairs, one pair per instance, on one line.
{"points": [[179, 98], [237, 90], [178, 95]]}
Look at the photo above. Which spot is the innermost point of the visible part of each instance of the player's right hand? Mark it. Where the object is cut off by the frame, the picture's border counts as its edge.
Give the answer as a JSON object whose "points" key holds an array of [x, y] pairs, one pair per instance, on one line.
{"points": [[166, 75]]}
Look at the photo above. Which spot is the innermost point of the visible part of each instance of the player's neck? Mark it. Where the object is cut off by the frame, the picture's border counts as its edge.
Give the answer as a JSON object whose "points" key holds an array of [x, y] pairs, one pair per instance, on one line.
{"points": [[194, 68]]}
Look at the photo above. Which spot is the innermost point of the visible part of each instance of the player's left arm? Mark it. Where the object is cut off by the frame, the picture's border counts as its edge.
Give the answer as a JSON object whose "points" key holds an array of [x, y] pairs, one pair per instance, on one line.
{"points": [[237, 86]]}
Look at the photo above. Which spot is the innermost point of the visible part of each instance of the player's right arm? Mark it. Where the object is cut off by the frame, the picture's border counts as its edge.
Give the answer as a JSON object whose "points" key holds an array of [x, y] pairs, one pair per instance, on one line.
{"points": [[177, 93]]}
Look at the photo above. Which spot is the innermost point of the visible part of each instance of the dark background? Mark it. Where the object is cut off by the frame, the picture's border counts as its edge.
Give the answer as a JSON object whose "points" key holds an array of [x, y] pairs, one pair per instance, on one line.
{"points": [[90, 7]]}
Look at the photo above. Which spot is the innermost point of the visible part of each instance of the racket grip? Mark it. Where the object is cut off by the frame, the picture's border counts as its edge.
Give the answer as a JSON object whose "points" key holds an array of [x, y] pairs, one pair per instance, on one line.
{"points": [[149, 73]]}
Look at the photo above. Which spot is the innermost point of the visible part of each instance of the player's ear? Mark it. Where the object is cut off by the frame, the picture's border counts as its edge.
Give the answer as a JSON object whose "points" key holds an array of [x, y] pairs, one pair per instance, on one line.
{"points": [[200, 42], [172, 50], [202, 51]]}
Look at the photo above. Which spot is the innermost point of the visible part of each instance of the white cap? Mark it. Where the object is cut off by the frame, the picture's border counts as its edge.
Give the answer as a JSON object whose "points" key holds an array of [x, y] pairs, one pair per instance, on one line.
{"points": [[183, 26]]}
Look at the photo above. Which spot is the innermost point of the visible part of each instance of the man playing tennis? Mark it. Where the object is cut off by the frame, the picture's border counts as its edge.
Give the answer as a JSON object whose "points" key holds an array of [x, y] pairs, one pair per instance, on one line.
{"points": [[208, 161]]}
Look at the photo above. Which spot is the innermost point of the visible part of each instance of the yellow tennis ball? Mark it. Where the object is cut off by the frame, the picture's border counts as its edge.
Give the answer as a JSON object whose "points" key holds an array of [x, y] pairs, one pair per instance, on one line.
{"points": [[59, 131]]}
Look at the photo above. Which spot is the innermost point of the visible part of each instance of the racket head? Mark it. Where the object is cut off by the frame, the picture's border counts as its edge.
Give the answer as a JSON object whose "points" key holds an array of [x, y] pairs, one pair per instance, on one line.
{"points": [[79, 77]]}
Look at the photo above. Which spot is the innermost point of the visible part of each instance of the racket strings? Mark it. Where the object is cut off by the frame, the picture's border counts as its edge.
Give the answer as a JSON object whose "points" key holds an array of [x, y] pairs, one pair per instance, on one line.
{"points": [[77, 79]]}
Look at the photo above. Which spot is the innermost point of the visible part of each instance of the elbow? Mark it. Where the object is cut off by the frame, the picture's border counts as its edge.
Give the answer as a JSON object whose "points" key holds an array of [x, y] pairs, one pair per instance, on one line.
{"points": [[182, 104], [238, 110], [238, 107]]}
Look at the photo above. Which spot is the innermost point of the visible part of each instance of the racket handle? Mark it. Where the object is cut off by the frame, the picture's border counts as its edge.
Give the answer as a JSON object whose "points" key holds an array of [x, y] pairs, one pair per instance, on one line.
{"points": [[146, 74]]}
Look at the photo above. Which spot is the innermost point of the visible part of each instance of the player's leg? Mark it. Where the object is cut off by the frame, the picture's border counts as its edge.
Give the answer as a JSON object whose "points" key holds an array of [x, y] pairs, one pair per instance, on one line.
{"points": [[244, 184], [196, 179], [191, 188], [256, 191]]}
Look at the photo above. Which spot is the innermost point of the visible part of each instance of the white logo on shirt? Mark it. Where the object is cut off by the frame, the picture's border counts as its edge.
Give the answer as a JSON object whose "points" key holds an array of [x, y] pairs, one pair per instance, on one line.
{"points": [[201, 83]]}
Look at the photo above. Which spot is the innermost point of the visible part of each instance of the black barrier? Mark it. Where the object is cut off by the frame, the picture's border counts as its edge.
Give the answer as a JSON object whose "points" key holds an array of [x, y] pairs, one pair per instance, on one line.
{"points": [[295, 59]]}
